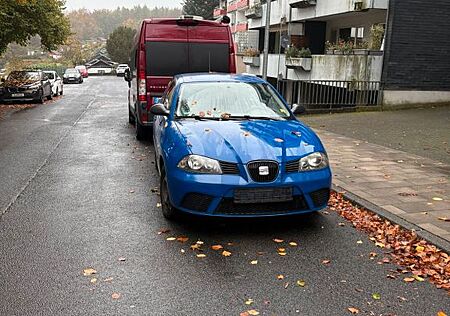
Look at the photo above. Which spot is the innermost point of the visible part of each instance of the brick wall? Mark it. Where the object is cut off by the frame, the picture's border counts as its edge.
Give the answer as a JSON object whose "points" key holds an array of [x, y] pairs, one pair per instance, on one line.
{"points": [[418, 46]]}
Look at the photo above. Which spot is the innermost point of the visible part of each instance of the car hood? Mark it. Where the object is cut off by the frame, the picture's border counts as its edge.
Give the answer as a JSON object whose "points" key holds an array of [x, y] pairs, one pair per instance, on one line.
{"points": [[21, 83], [244, 141]]}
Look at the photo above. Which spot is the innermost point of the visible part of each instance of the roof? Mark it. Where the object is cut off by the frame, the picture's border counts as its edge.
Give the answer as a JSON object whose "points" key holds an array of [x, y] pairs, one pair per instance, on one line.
{"points": [[218, 77]]}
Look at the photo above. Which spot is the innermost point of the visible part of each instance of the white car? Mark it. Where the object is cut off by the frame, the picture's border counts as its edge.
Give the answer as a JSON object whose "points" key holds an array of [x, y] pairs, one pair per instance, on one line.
{"points": [[56, 81], [120, 71]]}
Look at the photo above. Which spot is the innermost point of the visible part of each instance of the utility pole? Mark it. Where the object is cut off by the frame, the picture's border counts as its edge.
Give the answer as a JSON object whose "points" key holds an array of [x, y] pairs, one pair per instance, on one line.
{"points": [[266, 40]]}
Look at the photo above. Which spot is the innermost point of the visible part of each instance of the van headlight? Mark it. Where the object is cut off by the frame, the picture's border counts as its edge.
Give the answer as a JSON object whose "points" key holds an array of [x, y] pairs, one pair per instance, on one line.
{"points": [[314, 161], [200, 164]]}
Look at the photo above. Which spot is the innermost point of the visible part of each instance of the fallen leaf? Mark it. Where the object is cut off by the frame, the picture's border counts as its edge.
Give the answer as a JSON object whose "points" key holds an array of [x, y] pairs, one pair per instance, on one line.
{"points": [[195, 247], [115, 296], [286, 285], [216, 247], [182, 239], [254, 262], [163, 231], [108, 279], [408, 279], [326, 261], [199, 242], [437, 198], [341, 224], [282, 254], [158, 204], [445, 219], [278, 241], [253, 312], [122, 259], [171, 238], [182, 251], [441, 313], [301, 283], [380, 244], [293, 244], [89, 271], [280, 277], [353, 310], [420, 248], [94, 280], [244, 314], [226, 253], [359, 242], [131, 191], [376, 296], [249, 302], [281, 250], [201, 255], [418, 278]]}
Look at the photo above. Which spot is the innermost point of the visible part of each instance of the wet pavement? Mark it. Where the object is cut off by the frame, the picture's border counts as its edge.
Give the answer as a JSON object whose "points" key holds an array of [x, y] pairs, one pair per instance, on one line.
{"points": [[76, 194]]}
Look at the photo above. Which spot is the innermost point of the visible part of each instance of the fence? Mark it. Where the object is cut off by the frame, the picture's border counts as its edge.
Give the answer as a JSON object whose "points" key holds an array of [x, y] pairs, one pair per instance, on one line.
{"points": [[336, 94]]}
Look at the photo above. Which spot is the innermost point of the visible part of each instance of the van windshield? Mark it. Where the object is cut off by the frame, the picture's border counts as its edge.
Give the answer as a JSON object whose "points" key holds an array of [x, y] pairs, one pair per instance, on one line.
{"points": [[172, 58]]}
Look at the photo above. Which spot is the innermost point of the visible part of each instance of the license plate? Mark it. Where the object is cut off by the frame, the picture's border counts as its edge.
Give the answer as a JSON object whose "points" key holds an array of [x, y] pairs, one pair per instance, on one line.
{"points": [[17, 95], [263, 195]]}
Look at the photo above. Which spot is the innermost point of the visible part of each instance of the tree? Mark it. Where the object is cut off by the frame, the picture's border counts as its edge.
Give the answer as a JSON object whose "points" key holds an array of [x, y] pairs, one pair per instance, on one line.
{"points": [[119, 44], [20, 20], [203, 8]]}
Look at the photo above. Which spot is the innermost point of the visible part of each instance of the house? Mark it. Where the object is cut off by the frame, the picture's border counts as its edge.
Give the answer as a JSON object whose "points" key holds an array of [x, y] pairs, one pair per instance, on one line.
{"points": [[360, 52], [100, 65]]}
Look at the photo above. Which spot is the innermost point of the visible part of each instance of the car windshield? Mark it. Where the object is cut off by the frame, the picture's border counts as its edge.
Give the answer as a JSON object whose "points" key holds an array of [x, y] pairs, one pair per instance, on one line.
{"points": [[80, 67], [23, 76], [71, 71], [229, 100]]}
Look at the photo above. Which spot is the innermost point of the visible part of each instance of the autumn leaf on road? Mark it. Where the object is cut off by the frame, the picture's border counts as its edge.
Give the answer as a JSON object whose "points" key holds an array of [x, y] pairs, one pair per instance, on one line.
{"points": [[280, 277], [445, 219], [170, 238], [253, 312], [301, 283], [182, 239], [254, 262], [89, 271], [326, 261], [201, 255], [293, 244], [163, 231], [278, 241], [408, 279], [122, 259], [353, 310], [249, 302], [93, 280], [376, 296], [226, 253], [441, 313], [437, 198], [115, 296], [216, 247]]}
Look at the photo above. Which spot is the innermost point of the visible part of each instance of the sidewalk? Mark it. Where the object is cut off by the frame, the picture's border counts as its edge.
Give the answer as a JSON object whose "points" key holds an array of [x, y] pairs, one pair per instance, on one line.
{"points": [[414, 188]]}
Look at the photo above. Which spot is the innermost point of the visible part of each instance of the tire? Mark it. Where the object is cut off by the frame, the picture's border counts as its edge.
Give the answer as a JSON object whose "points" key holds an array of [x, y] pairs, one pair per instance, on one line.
{"points": [[131, 118], [41, 99], [168, 211], [141, 131], [50, 96], [56, 93], [61, 92]]}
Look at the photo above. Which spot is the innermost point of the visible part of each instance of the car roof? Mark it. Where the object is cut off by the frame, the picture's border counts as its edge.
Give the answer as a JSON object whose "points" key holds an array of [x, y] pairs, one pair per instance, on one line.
{"points": [[217, 77]]}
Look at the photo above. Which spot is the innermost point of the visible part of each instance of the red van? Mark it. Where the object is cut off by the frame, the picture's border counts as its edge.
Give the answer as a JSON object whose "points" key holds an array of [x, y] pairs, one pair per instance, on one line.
{"points": [[167, 47]]}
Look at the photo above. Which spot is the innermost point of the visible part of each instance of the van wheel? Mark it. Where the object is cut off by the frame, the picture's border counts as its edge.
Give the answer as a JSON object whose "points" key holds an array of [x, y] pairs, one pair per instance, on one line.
{"points": [[56, 93], [140, 131], [61, 92], [168, 211], [50, 96], [131, 118]]}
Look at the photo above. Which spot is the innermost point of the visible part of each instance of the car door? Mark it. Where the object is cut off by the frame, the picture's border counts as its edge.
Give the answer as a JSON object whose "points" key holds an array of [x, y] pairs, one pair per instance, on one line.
{"points": [[160, 122]]}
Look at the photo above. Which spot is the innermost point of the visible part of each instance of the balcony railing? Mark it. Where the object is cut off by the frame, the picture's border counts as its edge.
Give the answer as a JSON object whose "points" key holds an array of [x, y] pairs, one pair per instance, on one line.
{"points": [[302, 3], [254, 12], [241, 27], [241, 4], [219, 12]]}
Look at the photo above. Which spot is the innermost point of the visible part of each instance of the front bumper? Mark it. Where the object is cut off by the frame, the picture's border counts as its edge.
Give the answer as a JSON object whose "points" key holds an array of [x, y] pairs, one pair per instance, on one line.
{"points": [[21, 96], [213, 195], [71, 80]]}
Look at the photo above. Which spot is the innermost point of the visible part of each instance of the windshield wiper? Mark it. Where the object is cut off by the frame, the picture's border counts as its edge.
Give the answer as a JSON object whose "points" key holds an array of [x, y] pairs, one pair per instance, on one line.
{"points": [[249, 117], [199, 118]]}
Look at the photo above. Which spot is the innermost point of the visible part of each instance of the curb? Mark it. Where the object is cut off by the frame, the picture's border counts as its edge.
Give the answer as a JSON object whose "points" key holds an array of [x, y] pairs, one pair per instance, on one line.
{"points": [[424, 234]]}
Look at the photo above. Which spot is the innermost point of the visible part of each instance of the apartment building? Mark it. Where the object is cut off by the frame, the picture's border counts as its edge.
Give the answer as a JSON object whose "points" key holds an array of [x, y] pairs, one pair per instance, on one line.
{"points": [[334, 53]]}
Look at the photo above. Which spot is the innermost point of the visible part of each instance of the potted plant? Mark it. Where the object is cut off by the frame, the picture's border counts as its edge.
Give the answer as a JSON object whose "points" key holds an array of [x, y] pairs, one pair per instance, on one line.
{"points": [[298, 58], [251, 57]]}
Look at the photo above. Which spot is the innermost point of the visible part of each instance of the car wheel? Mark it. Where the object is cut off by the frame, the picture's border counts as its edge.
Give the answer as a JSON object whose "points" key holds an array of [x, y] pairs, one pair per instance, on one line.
{"points": [[168, 211], [61, 92], [50, 96], [131, 118], [56, 93]]}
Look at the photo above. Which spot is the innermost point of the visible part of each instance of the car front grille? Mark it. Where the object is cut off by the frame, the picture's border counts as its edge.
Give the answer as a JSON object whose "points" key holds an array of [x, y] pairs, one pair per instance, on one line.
{"points": [[229, 167], [228, 207], [320, 197], [196, 202], [255, 171]]}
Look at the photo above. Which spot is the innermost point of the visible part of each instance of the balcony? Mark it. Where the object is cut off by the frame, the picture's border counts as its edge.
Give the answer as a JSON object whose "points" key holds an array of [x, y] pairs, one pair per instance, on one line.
{"points": [[240, 27], [254, 12], [219, 12], [302, 3], [299, 63], [242, 4], [232, 6], [252, 61]]}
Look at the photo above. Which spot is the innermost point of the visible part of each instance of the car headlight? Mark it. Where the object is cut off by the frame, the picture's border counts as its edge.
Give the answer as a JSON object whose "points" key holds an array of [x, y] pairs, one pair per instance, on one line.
{"points": [[200, 164], [314, 161]]}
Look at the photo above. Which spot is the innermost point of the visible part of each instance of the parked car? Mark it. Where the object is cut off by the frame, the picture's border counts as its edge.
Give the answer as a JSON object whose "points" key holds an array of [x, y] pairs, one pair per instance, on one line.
{"points": [[83, 71], [167, 47], [56, 81], [121, 69], [230, 146], [72, 75], [26, 85]]}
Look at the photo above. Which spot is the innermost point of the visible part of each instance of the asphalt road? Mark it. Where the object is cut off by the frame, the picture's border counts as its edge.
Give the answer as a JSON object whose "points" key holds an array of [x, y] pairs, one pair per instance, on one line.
{"points": [[424, 132], [75, 193]]}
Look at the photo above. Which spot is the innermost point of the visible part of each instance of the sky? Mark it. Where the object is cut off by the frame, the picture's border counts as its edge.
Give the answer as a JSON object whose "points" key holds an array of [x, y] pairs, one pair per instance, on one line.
{"points": [[112, 4]]}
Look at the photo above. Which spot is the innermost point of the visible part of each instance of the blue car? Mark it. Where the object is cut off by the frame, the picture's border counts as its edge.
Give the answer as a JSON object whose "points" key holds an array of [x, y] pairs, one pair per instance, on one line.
{"points": [[230, 146]]}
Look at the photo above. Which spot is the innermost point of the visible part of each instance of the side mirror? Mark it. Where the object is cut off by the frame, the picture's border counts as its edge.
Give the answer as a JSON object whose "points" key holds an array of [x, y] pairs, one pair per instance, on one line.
{"points": [[159, 109], [298, 109], [127, 75]]}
